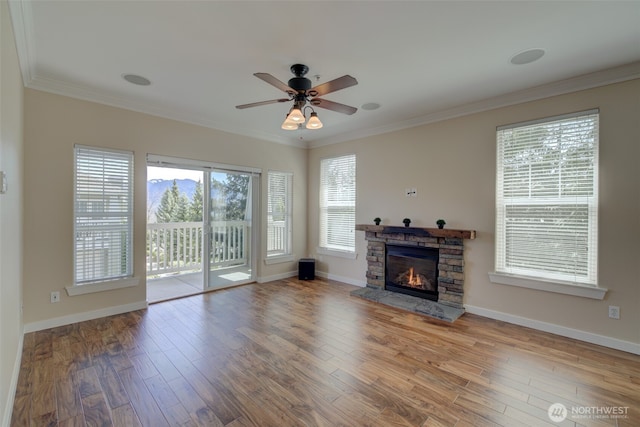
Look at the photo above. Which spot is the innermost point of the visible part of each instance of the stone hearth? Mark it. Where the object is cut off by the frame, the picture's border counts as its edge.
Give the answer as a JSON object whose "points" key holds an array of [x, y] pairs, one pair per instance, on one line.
{"points": [[409, 303], [450, 244]]}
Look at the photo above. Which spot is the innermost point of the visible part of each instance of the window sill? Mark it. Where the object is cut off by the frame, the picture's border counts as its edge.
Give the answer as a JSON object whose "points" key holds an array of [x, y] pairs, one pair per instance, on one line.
{"points": [[337, 253], [279, 259], [541, 285], [110, 285]]}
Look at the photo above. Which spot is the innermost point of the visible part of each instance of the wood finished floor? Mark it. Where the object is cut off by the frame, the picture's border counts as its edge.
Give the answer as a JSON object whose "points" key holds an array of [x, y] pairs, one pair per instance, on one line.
{"points": [[291, 353]]}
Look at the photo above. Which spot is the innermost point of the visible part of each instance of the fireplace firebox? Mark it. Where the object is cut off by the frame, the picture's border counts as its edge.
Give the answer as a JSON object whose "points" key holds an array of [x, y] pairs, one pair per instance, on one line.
{"points": [[412, 270]]}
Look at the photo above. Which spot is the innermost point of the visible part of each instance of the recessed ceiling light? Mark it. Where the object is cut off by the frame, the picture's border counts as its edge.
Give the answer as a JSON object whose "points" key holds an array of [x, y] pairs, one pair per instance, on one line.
{"points": [[370, 106], [527, 56], [136, 79]]}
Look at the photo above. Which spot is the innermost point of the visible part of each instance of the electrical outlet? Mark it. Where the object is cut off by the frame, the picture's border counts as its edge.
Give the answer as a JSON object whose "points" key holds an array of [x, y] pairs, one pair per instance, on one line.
{"points": [[614, 312], [55, 296]]}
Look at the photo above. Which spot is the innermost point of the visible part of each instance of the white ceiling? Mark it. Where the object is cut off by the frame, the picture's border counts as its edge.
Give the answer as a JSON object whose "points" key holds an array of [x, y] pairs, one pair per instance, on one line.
{"points": [[420, 60]]}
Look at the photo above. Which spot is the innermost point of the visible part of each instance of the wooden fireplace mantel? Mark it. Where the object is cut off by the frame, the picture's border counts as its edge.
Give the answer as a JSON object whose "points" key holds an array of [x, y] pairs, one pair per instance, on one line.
{"points": [[418, 231]]}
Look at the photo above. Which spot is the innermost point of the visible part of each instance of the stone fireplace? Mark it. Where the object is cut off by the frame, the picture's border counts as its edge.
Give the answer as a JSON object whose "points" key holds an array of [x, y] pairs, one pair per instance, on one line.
{"points": [[444, 247]]}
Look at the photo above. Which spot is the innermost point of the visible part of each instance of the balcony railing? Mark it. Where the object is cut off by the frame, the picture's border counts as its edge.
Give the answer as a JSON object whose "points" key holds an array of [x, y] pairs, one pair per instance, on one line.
{"points": [[175, 247], [277, 238]]}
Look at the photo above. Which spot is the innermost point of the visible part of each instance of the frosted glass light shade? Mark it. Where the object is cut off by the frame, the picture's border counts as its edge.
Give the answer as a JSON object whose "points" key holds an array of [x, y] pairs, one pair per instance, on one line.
{"points": [[289, 125], [314, 122], [296, 116]]}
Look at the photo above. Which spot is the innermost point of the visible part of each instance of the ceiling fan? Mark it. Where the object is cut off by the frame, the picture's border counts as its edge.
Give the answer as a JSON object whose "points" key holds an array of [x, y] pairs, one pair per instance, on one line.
{"points": [[300, 92]]}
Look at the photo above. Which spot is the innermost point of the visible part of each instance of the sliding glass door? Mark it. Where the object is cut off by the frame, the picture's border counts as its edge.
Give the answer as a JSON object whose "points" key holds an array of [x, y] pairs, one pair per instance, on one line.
{"points": [[206, 230], [230, 229]]}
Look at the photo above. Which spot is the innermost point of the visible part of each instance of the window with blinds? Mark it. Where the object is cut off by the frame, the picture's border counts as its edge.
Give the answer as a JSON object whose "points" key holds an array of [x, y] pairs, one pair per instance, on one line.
{"points": [[338, 203], [547, 199], [279, 197], [103, 215]]}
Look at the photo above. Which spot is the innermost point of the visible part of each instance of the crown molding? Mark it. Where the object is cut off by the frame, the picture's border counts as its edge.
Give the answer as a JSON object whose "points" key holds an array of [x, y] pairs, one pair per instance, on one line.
{"points": [[22, 19], [587, 81], [75, 91]]}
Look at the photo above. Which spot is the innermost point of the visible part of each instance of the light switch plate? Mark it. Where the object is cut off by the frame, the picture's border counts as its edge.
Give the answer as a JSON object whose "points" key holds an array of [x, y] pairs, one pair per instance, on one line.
{"points": [[3, 182]]}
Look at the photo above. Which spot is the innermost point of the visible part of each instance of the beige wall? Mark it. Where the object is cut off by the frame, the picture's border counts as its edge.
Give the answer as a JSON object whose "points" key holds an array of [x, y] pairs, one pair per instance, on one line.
{"points": [[452, 165], [53, 124], [11, 140]]}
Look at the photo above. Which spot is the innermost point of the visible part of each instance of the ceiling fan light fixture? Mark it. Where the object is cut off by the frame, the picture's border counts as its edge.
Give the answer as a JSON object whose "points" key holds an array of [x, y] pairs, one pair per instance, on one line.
{"points": [[289, 125], [314, 122], [296, 115], [301, 93]]}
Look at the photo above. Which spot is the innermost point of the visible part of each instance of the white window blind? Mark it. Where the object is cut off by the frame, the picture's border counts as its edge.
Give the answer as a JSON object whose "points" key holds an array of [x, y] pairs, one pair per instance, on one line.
{"points": [[338, 203], [547, 199], [103, 210], [279, 196]]}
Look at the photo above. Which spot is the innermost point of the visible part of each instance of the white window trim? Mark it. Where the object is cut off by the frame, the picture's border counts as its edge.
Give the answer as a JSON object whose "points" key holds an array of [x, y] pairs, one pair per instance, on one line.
{"points": [[279, 259], [107, 284], [93, 287], [574, 289], [180, 163], [336, 253], [340, 253], [549, 285], [283, 257]]}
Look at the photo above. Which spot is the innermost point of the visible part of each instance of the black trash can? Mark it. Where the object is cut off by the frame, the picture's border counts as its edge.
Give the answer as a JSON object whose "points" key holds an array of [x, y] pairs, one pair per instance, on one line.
{"points": [[307, 269]]}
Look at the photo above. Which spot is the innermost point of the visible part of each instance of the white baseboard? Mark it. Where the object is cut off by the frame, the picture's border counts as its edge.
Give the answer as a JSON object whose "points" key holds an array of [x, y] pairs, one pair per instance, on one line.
{"points": [[8, 409], [265, 279], [342, 279], [348, 280], [589, 337], [282, 276], [81, 317]]}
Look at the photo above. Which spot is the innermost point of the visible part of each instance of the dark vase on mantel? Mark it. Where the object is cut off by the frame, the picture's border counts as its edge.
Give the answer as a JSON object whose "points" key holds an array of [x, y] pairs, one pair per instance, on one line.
{"points": [[406, 222], [377, 221]]}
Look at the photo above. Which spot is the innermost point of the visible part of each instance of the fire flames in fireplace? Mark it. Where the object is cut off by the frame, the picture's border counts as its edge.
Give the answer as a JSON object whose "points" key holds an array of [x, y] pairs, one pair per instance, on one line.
{"points": [[412, 270], [413, 280]]}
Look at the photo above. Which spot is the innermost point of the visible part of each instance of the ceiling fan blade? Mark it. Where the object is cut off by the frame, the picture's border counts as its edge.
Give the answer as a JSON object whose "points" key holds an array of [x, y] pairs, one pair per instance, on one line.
{"points": [[257, 104], [333, 106], [274, 82], [333, 85]]}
